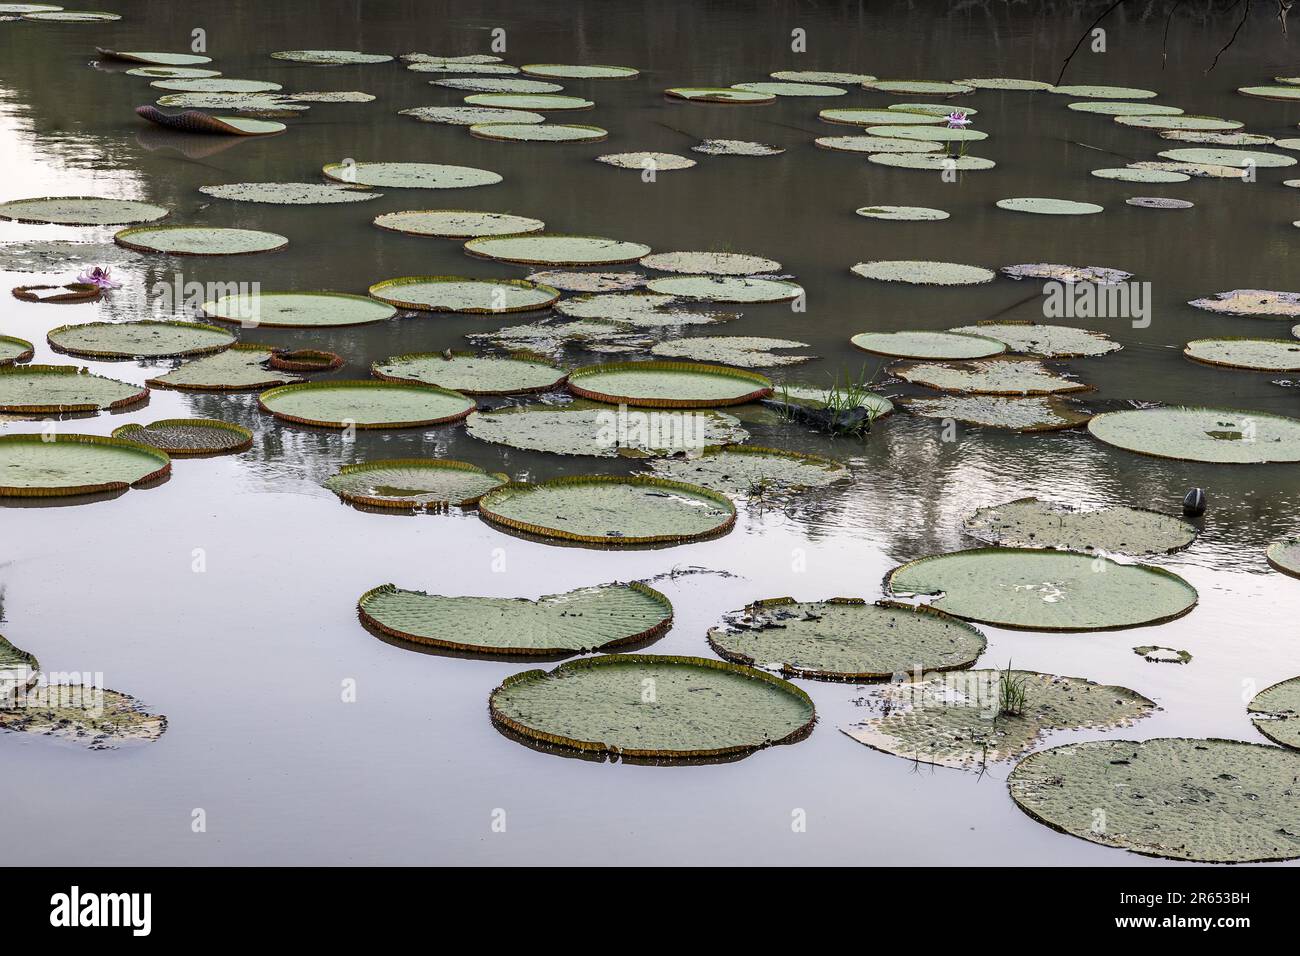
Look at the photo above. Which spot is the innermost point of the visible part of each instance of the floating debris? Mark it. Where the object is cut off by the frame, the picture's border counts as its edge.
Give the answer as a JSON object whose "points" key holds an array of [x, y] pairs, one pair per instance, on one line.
{"points": [[1253, 302], [1055, 272], [736, 147], [1155, 654], [1159, 202]]}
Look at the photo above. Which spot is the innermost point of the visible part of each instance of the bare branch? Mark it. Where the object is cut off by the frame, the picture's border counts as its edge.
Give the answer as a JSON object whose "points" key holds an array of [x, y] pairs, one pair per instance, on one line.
{"points": [[1082, 37], [1232, 39]]}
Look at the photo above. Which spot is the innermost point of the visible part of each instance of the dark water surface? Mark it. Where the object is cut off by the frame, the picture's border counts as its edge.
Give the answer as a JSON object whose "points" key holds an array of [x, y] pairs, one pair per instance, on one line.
{"points": [[247, 659]]}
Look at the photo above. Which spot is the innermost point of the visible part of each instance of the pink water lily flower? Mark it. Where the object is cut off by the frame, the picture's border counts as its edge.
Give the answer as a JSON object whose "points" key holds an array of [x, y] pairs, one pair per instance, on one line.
{"points": [[100, 278], [957, 119]]}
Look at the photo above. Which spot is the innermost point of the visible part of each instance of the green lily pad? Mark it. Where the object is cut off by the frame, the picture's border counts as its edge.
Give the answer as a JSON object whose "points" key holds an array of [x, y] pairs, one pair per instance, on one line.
{"points": [[461, 294], [142, 339], [1125, 109], [955, 720], [1209, 124], [1050, 207], [574, 71], [1033, 414], [191, 121], [588, 282], [709, 288], [471, 115], [1034, 523], [653, 707], [1238, 158], [59, 465], [591, 429], [876, 144], [19, 8], [1201, 434], [1275, 712], [928, 345], [1211, 801], [18, 671], [365, 403], [718, 94], [1158, 202], [992, 376], [1105, 92], [610, 509], [1044, 590], [638, 308], [330, 96], [13, 350], [409, 175], [668, 384], [533, 102], [937, 162], [1262, 355], [267, 103], [414, 484], [736, 147], [576, 622], [472, 374], [57, 389], [658, 162], [331, 57], [469, 58], [902, 213], [1285, 93], [223, 84], [80, 211], [1284, 555], [845, 639], [288, 194], [457, 223], [189, 436], [1125, 175], [790, 89], [72, 16], [298, 310], [242, 367], [1006, 83], [497, 84], [199, 241], [150, 58], [1253, 302], [539, 133], [880, 117], [746, 351], [1227, 139], [918, 272], [1044, 341], [941, 110], [744, 469], [556, 249], [550, 336], [822, 76], [1055, 272], [927, 134], [919, 87], [94, 717], [710, 263]]}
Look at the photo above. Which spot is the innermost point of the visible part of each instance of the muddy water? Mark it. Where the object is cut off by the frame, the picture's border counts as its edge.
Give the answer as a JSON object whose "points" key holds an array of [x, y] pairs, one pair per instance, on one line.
{"points": [[248, 658]]}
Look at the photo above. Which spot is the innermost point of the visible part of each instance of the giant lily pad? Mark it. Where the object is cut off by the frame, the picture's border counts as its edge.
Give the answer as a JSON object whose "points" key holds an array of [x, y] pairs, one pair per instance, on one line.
{"points": [[924, 135], [1033, 414], [365, 403], [653, 707], [556, 249], [790, 89], [57, 389], [72, 16], [918, 87], [1006, 83], [935, 162], [1211, 801], [611, 509], [242, 367], [1158, 202], [644, 160], [710, 288], [532, 102], [539, 132], [1044, 590], [496, 84], [1262, 355], [668, 384], [150, 58], [929, 345], [289, 194], [718, 94], [638, 308], [1044, 341], [587, 619], [879, 117], [1188, 433], [1125, 109], [471, 115], [265, 103], [822, 76], [1275, 712], [746, 469], [1209, 124], [876, 144], [845, 639], [330, 57], [13, 350], [710, 263], [199, 241], [1227, 139], [1055, 272], [298, 310], [586, 282], [955, 720], [918, 272], [1284, 555], [472, 374], [457, 223], [1200, 170], [1034, 523], [1255, 302], [58, 465], [1125, 175], [189, 436], [1239, 158], [736, 147], [1105, 92], [1286, 93], [409, 175], [18, 671], [221, 84], [414, 484], [575, 71], [993, 376], [747, 351], [80, 211], [588, 428], [461, 294], [94, 717], [1050, 207], [902, 213], [143, 339]]}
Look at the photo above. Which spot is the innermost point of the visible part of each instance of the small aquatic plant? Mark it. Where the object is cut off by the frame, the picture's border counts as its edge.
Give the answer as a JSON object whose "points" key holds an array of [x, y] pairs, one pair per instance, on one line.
{"points": [[958, 119], [1011, 693], [100, 278]]}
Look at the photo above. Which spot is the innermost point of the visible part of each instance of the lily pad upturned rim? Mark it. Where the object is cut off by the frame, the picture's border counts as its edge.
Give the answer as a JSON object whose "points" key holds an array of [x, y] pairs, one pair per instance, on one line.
{"points": [[305, 360], [722, 95], [6, 206], [646, 634], [518, 487], [52, 335], [1245, 413], [562, 375], [245, 435], [160, 457], [377, 291], [1188, 352], [813, 673], [763, 384], [126, 239], [1152, 569], [1273, 556], [1262, 726], [623, 660], [275, 392], [394, 503], [52, 409], [26, 350]]}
